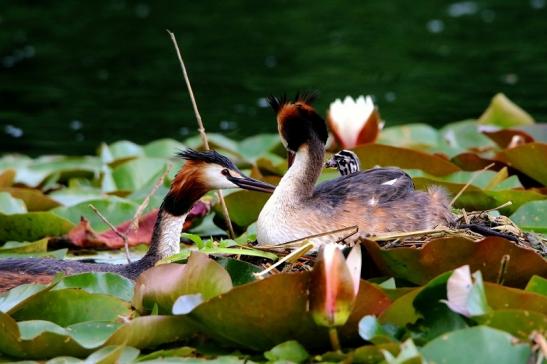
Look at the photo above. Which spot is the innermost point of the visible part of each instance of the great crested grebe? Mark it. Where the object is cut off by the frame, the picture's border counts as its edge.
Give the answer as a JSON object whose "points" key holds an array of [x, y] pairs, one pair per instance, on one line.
{"points": [[202, 172], [345, 161], [378, 200]]}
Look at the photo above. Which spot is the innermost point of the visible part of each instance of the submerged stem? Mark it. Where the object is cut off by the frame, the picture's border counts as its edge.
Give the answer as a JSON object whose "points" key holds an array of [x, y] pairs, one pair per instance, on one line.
{"points": [[334, 340]]}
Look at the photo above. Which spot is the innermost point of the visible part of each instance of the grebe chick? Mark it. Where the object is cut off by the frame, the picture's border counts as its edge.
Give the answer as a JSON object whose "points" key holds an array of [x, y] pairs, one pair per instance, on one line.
{"points": [[345, 161], [378, 200], [202, 172]]}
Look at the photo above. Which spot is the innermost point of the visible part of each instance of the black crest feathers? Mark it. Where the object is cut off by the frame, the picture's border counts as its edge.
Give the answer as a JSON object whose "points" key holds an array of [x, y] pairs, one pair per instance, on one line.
{"points": [[209, 156]]}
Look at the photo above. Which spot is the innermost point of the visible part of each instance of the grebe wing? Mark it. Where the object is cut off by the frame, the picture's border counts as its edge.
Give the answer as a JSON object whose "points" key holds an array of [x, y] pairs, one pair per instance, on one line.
{"points": [[382, 184]]}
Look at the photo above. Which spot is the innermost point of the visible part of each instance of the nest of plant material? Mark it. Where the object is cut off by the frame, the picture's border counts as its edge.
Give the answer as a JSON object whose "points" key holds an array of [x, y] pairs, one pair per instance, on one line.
{"points": [[475, 226]]}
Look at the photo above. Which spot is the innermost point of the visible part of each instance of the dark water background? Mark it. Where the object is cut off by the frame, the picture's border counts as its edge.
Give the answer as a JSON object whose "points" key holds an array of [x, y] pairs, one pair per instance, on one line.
{"points": [[75, 73]]}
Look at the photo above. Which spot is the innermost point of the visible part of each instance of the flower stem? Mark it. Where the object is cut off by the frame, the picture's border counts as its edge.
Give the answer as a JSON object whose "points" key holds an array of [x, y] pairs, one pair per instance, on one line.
{"points": [[334, 341]]}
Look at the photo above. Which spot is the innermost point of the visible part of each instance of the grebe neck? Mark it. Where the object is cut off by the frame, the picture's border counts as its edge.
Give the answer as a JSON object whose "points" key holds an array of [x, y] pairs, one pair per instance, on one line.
{"points": [[299, 181]]}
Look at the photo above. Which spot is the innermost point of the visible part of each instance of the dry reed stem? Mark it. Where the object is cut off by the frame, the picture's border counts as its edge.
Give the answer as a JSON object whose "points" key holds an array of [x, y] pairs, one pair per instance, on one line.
{"points": [[469, 183], [201, 130], [113, 228]]}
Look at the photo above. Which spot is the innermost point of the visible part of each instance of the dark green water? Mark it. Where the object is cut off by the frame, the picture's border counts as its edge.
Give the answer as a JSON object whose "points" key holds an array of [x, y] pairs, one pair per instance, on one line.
{"points": [[75, 73]]}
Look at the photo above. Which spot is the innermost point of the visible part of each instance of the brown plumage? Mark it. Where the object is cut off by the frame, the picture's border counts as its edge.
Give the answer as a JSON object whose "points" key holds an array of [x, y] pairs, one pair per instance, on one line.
{"points": [[379, 200]]}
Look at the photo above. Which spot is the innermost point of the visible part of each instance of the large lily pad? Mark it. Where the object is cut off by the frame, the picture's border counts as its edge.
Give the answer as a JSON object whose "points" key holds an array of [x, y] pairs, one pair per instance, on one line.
{"points": [[505, 113], [32, 226], [135, 173], [10, 205], [372, 155], [34, 199], [532, 216], [529, 159], [244, 206], [440, 255]]}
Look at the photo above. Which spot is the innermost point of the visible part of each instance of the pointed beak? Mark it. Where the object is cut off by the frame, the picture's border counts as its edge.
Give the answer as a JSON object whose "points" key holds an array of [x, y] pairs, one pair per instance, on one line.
{"points": [[290, 157], [251, 184], [331, 163]]}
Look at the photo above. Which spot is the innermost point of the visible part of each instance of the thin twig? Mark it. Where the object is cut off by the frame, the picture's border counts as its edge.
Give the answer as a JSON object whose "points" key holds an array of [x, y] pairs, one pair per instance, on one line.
{"points": [[295, 254], [469, 183], [113, 228], [503, 268], [201, 130]]}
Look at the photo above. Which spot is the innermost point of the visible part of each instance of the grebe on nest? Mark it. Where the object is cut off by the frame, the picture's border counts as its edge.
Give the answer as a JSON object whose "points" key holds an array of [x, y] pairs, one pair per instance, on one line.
{"points": [[378, 200], [202, 172]]}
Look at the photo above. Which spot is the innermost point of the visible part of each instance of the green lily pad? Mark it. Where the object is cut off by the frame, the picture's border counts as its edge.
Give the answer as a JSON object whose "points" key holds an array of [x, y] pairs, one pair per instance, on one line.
{"points": [[289, 351], [10, 205], [162, 148], [116, 210], [69, 306], [113, 354], [257, 146], [505, 113], [538, 285], [12, 300], [16, 247], [413, 136], [440, 255], [519, 323], [75, 195], [200, 275], [32, 226], [34, 199], [500, 297], [372, 155], [244, 206], [528, 158], [532, 216], [136, 173], [464, 135], [479, 344], [99, 282], [121, 151]]}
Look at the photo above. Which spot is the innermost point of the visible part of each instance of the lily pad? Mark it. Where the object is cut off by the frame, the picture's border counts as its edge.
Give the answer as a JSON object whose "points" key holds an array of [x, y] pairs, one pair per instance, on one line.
{"points": [[32, 226], [528, 159], [10, 205], [440, 255], [478, 344], [162, 148], [99, 282], [39, 246], [136, 173], [34, 199], [538, 285], [244, 206], [532, 216], [519, 323], [372, 155], [505, 113]]}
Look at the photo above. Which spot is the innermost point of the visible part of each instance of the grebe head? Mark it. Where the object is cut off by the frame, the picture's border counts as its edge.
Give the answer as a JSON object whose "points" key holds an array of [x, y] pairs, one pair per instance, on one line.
{"points": [[345, 161], [214, 171], [298, 122]]}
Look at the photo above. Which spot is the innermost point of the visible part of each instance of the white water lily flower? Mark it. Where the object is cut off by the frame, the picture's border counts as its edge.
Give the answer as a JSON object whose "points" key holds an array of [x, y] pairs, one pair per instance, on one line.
{"points": [[465, 293], [354, 122]]}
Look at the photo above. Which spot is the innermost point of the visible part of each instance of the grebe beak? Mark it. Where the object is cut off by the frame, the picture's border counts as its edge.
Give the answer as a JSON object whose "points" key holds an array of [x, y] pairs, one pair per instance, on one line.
{"points": [[290, 157], [251, 184], [331, 163]]}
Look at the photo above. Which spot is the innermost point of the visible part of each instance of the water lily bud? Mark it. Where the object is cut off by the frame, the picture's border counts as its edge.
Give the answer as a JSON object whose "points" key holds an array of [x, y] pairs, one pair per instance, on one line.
{"points": [[354, 122], [334, 286]]}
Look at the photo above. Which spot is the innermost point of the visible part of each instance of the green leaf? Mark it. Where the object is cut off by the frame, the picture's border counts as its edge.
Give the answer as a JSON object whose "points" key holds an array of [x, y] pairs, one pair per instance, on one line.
{"points": [[413, 136], [7, 177], [69, 306], [464, 135], [519, 323], [123, 150], [407, 355], [162, 148], [15, 247], [241, 272], [32, 226], [240, 251], [34, 199], [372, 330], [10, 205], [56, 254], [384, 155], [528, 158], [120, 354], [13, 299], [100, 282], [538, 285], [117, 210], [478, 344], [244, 206], [136, 173], [503, 112], [199, 275], [289, 351], [75, 195], [257, 146], [532, 216]]}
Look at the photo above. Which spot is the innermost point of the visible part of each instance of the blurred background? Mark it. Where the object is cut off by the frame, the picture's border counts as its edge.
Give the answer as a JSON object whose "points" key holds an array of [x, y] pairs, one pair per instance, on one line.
{"points": [[74, 73]]}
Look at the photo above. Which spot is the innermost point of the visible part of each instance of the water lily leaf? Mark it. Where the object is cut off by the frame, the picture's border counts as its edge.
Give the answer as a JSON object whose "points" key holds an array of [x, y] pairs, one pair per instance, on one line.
{"points": [[136, 173], [123, 150], [69, 306], [113, 354], [100, 282], [7, 177], [519, 323], [260, 327], [372, 155], [58, 168], [244, 206], [532, 216], [527, 158], [16, 247], [32, 226], [500, 297], [75, 195], [464, 135], [12, 300], [479, 344], [239, 251], [10, 205], [199, 275], [440, 255], [413, 136], [504, 137], [117, 210], [372, 330], [55, 254], [186, 303], [241, 272], [373, 354], [289, 351], [257, 146], [505, 113], [216, 141], [401, 312], [162, 148], [538, 285], [181, 352], [39, 339], [34, 199]]}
